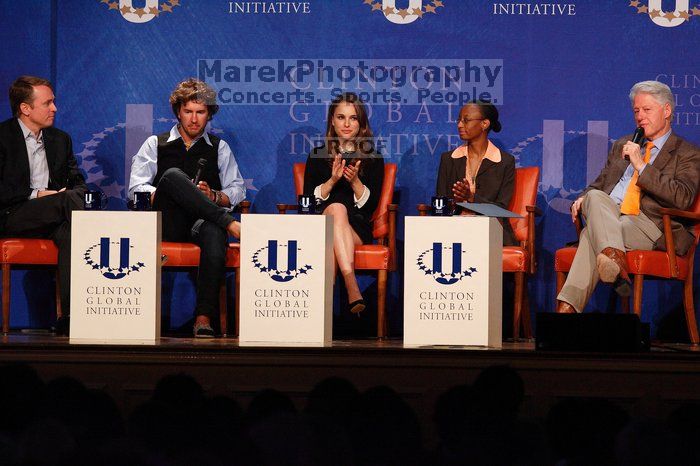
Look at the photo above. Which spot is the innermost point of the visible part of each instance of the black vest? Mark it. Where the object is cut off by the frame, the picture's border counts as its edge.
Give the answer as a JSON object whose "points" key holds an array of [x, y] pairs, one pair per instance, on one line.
{"points": [[174, 155]]}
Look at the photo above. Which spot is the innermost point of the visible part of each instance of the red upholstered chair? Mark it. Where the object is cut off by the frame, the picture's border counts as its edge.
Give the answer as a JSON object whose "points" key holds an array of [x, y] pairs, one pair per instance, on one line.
{"points": [[187, 255], [654, 264], [381, 256], [20, 251], [25, 252], [520, 260]]}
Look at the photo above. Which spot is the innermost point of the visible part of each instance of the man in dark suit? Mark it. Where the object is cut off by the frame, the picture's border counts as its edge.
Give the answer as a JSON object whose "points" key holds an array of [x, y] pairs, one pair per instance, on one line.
{"points": [[621, 206], [40, 183]]}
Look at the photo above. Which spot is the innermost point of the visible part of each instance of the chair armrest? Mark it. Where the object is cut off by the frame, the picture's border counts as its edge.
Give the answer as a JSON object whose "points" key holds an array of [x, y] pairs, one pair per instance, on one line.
{"points": [[680, 213], [670, 245], [668, 234], [578, 224], [534, 209], [242, 207], [423, 209], [283, 208]]}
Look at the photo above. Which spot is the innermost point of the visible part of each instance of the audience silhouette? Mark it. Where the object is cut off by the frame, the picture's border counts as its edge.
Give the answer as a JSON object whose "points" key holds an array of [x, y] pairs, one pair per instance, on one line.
{"points": [[62, 422]]}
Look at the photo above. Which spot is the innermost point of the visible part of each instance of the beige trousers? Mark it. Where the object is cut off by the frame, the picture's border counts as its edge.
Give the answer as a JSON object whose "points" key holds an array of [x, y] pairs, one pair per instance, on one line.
{"points": [[605, 227]]}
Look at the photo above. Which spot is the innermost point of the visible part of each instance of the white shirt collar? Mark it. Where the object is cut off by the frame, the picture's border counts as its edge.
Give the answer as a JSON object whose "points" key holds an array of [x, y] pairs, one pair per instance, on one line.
{"points": [[28, 132], [175, 134]]}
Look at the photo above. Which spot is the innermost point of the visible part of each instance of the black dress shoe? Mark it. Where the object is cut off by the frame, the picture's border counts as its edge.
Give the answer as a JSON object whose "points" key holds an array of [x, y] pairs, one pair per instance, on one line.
{"points": [[203, 331], [62, 326], [356, 307]]}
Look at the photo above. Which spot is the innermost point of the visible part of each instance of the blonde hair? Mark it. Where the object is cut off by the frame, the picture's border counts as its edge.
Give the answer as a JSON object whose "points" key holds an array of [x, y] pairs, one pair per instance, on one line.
{"points": [[193, 90]]}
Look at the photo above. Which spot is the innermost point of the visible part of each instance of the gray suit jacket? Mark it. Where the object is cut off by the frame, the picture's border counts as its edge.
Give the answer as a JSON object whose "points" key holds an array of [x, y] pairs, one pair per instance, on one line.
{"points": [[671, 181]]}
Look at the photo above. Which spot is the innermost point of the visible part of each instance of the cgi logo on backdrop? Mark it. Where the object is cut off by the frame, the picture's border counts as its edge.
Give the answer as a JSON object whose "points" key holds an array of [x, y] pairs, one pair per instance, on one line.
{"points": [[430, 263], [151, 10], [666, 18], [415, 10], [570, 159], [98, 258]]}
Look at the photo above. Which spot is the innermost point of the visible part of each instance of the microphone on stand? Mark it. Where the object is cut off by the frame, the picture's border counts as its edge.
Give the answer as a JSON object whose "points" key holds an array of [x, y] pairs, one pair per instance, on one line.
{"points": [[200, 166], [636, 138]]}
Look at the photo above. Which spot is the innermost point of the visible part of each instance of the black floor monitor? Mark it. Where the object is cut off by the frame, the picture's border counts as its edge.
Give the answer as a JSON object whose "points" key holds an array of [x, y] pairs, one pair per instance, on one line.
{"points": [[591, 332]]}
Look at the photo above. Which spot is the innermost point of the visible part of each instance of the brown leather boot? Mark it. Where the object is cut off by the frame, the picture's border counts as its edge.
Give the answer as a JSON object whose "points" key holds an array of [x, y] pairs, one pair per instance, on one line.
{"points": [[565, 308], [612, 268]]}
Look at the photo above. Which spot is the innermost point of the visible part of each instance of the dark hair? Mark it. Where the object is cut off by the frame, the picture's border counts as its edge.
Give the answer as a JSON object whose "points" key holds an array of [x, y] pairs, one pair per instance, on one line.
{"points": [[489, 112], [193, 90], [22, 91], [364, 139]]}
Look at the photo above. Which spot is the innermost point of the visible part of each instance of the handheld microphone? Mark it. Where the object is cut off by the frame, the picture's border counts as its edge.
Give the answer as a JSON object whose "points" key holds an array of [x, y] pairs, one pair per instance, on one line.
{"points": [[200, 166], [636, 138]]}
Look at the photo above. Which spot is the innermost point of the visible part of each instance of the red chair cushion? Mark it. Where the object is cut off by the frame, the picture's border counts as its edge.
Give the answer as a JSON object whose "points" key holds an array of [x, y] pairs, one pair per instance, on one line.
{"points": [[655, 263], [563, 259], [180, 254], [371, 257], [233, 255], [29, 251], [515, 259], [187, 254]]}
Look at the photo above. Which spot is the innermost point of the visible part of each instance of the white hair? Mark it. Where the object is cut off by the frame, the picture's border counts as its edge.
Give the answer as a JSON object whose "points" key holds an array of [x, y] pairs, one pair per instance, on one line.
{"points": [[658, 90]]}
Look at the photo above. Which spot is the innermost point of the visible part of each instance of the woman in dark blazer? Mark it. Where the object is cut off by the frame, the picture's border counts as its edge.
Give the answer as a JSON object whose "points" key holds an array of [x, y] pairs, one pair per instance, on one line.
{"points": [[478, 171], [346, 176]]}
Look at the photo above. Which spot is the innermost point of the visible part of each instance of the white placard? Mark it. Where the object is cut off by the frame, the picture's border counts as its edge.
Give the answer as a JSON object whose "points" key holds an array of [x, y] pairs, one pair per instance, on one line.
{"points": [[286, 278], [453, 281], [115, 276]]}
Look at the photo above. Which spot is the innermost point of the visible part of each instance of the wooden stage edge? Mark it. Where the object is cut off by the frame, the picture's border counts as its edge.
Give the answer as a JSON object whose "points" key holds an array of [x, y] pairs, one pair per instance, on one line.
{"points": [[650, 383]]}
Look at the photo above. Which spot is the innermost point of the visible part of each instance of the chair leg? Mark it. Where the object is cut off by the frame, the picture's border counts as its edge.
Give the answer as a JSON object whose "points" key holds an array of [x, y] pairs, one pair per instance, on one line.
{"points": [[517, 303], [223, 321], [690, 309], [638, 285], [237, 303], [525, 313], [59, 308], [625, 305], [561, 278], [381, 303], [5, 298]]}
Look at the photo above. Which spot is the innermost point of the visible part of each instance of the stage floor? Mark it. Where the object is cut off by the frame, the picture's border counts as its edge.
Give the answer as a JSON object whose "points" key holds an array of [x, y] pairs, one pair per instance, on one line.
{"points": [[650, 383]]}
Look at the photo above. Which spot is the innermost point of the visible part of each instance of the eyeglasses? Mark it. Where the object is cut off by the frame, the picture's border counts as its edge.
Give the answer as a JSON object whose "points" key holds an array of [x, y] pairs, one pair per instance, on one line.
{"points": [[467, 120]]}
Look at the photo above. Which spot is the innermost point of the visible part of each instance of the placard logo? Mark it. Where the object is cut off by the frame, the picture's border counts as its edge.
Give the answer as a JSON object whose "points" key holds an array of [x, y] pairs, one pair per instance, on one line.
{"points": [[102, 262], [666, 18], [435, 268], [151, 10], [266, 261], [414, 11]]}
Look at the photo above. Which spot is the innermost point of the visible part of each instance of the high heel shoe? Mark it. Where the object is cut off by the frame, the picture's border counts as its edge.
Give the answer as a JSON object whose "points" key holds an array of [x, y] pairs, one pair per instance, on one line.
{"points": [[356, 307]]}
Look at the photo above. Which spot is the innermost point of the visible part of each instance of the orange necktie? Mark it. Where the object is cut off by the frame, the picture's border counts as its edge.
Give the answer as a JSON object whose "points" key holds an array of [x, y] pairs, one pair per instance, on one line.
{"points": [[630, 203]]}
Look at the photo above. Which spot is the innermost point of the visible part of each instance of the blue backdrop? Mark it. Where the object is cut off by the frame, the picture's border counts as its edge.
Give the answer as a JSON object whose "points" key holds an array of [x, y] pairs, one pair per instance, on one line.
{"points": [[566, 71]]}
